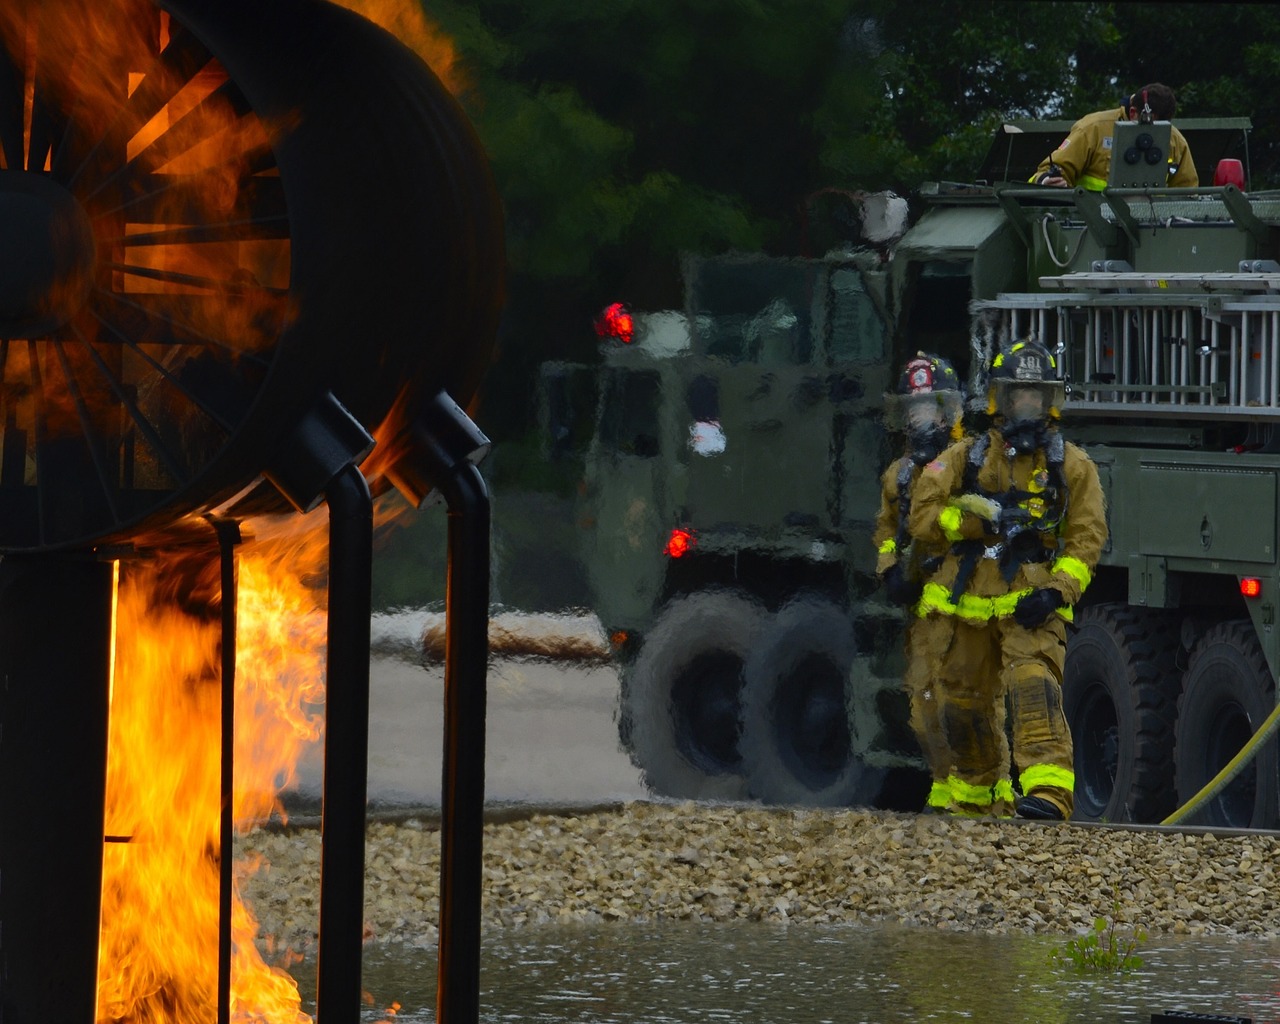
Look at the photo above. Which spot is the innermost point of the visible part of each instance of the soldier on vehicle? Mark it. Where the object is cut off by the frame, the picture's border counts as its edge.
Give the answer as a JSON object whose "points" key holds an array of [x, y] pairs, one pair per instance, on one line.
{"points": [[927, 409], [1024, 514], [1084, 156]]}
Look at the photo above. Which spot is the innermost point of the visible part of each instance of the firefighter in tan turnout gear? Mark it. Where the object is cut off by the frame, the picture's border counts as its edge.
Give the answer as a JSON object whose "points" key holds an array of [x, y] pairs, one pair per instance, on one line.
{"points": [[926, 409], [1023, 513]]}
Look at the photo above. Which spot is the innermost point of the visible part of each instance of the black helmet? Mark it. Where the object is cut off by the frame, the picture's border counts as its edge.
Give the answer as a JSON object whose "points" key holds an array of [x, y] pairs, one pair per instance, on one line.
{"points": [[1026, 366], [1025, 360], [928, 373], [927, 405]]}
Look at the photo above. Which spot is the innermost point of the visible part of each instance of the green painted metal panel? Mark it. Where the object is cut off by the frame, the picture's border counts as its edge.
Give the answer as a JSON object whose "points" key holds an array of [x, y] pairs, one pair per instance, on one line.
{"points": [[1206, 511]]}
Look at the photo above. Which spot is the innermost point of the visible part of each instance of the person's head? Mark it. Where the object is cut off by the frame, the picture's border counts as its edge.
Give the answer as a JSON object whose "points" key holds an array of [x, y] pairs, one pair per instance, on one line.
{"points": [[1159, 98], [927, 405], [1024, 393]]}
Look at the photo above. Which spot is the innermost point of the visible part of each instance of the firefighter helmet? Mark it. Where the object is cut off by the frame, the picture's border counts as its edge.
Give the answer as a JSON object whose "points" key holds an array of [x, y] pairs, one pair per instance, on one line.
{"points": [[928, 373], [1023, 369], [928, 403]]}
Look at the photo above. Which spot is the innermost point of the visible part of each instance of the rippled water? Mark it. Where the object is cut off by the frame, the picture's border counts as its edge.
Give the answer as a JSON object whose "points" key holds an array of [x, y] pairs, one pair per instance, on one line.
{"points": [[846, 975]]}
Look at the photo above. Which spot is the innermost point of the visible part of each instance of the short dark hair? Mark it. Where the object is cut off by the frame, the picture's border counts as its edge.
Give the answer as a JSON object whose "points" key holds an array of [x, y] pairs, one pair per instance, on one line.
{"points": [[1161, 99]]}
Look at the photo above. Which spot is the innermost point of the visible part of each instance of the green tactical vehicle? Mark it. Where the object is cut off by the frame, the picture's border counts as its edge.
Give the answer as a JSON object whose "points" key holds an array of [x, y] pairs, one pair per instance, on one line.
{"points": [[732, 481]]}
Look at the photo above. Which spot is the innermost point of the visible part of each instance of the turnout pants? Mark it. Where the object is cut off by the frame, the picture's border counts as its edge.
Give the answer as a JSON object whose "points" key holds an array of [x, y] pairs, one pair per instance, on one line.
{"points": [[979, 665]]}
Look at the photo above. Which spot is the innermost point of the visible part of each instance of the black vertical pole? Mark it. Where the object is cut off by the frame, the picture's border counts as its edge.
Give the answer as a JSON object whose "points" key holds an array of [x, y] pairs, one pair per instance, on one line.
{"points": [[346, 749], [462, 817], [228, 532], [55, 671]]}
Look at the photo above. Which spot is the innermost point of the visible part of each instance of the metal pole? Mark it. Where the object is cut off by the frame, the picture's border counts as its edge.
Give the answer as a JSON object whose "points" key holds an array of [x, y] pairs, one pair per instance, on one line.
{"points": [[55, 670], [462, 818], [228, 532], [346, 750]]}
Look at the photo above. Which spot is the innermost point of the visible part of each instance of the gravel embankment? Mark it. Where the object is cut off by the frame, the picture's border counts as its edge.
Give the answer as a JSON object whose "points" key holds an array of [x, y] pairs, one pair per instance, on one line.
{"points": [[653, 862]]}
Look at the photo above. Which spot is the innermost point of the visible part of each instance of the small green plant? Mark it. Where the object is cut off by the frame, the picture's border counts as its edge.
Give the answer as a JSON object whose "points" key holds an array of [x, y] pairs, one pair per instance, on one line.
{"points": [[1102, 949]]}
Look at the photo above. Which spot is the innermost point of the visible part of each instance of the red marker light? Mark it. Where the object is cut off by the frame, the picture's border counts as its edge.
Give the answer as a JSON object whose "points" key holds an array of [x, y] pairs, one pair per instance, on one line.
{"points": [[679, 543], [615, 322], [1250, 586]]}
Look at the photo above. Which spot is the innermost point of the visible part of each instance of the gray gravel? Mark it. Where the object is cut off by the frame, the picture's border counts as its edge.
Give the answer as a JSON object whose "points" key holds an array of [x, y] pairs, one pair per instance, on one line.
{"points": [[653, 862]]}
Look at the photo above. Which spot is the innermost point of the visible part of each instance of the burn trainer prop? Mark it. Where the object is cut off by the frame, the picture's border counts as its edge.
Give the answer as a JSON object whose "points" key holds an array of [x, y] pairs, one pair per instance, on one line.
{"points": [[238, 241]]}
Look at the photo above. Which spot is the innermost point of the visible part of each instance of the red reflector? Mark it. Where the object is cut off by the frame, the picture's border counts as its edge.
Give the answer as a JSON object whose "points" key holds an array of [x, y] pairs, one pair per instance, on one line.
{"points": [[679, 543], [1250, 586], [615, 322]]}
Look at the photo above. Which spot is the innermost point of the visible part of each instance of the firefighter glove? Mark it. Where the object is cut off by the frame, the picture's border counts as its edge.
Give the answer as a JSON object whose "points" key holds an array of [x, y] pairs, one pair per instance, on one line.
{"points": [[1034, 608], [1015, 515], [899, 589]]}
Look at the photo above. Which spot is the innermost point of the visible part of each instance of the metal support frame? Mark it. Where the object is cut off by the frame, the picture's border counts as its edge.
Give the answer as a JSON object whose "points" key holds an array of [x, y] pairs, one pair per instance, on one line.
{"points": [[462, 822], [346, 749], [53, 757], [439, 450]]}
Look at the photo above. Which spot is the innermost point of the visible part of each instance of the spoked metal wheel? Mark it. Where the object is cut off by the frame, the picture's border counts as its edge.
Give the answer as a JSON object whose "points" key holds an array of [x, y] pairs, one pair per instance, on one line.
{"points": [[210, 215], [147, 250]]}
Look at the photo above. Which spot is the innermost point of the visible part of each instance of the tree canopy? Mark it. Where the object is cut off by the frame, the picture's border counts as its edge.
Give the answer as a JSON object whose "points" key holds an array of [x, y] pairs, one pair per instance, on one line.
{"points": [[625, 132]]}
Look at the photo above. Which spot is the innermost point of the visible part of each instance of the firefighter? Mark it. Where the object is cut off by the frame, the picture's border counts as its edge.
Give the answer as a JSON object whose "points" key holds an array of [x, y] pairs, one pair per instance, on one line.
{"points": [[1023, 513], [1084, 156], [926, 409]]}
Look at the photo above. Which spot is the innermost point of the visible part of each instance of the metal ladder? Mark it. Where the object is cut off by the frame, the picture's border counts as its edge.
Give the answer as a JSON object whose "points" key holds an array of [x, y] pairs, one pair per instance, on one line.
{"points": [[1133, 343]]}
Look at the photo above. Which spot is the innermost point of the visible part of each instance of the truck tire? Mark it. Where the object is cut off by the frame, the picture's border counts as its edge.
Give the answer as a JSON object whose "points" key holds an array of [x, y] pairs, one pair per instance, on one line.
{"points": [[797, 742], [1226, 695], [1119, 693], [681, 702]]}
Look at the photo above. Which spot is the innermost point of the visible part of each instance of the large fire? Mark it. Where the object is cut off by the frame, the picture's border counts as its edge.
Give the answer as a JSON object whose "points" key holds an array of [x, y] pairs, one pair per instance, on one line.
{"points": [[160, 913], [193, 263]]}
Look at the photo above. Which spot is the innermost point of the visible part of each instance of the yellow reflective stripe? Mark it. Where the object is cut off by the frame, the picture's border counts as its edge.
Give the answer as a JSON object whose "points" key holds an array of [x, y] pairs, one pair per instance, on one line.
{"points": [[939, 794], [937, 598], [1091, 183], [1003, 790], [1074, 568], [967, 793], [1047, 775], [949, 519], [889, 547]]}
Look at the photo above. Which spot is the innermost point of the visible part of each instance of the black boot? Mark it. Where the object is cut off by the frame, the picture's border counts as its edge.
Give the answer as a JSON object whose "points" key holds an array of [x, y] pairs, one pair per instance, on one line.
{"points": [[1037, 808]]}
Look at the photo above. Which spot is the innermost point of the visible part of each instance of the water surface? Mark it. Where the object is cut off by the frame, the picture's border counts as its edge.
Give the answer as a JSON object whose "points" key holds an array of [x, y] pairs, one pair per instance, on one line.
{"points": [[767, 974]]}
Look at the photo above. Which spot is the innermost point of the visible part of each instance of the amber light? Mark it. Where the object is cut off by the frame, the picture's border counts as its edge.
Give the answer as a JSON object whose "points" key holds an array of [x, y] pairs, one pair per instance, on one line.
{"points": [[1250, 586], [679, 543]]}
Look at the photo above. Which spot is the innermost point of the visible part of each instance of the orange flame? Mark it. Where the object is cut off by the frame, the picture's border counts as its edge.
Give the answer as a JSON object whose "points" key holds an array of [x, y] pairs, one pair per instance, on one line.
{"points": [[160, 914], [405, 20], [189, 224]]}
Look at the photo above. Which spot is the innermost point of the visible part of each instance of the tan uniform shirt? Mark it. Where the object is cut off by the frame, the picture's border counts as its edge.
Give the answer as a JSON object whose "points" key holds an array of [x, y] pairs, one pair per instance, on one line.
{"points": [[886, 538], [1084, 156]]}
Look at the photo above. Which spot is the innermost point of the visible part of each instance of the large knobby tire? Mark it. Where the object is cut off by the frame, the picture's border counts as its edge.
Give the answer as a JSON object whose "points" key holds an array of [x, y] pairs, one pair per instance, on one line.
{"points": [[797, 741], [681, 701], [1119, 694], [1227, 693]]}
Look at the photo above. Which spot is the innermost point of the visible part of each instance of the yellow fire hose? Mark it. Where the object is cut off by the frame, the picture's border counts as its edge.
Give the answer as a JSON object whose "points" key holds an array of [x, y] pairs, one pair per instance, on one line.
{"points": [[1229, 771]]}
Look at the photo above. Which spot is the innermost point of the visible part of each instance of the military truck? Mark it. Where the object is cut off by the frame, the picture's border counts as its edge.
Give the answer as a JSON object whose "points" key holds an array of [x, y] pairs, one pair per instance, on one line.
{"points": [[734, 449], [732, 561]]}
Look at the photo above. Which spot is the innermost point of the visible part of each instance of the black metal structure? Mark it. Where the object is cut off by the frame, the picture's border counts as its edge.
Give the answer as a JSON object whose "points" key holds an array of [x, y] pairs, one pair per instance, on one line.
{"points": [[236, 238]]}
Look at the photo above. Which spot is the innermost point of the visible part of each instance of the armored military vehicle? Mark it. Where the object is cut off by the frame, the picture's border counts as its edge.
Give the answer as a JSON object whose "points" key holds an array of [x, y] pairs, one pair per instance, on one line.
{"points": [[732, 484]]}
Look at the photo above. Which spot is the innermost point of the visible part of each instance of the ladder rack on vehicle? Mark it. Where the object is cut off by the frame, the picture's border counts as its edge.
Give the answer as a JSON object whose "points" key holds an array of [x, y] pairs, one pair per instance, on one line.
{"points": [[1201, 345]]}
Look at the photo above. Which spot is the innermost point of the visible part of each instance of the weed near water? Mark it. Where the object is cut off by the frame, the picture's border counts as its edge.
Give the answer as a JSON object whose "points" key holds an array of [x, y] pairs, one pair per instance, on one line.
{"points": [[1103, 949]]}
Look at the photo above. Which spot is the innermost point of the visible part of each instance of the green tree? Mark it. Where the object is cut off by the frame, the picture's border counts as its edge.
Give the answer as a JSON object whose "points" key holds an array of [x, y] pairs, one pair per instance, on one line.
{"points": [[1221, 60]]}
